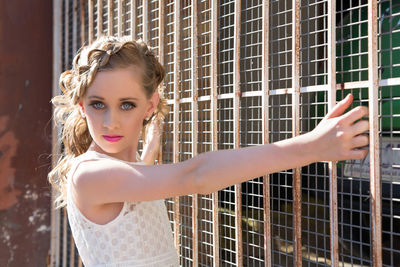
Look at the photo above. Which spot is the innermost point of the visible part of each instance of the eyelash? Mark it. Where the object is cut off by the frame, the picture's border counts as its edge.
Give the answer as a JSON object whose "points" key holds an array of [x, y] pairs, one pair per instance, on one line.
{"points": [[93, 104]]}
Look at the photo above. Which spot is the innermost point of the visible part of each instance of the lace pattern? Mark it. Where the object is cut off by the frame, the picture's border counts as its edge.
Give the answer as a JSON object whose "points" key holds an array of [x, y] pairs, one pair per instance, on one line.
{"points": [[140, 235]]}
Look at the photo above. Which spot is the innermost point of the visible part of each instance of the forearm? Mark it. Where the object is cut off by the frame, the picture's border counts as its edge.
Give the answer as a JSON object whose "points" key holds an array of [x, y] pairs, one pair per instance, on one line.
{"points": [[220, 169]]}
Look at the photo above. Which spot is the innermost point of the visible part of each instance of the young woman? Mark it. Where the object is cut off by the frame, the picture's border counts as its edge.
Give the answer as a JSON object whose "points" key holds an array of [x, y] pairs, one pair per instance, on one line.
{"points": [[113, 198]]}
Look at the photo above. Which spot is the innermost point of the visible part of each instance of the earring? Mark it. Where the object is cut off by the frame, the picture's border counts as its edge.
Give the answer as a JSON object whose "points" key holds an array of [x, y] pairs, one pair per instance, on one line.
{"points": [[82, 114]]}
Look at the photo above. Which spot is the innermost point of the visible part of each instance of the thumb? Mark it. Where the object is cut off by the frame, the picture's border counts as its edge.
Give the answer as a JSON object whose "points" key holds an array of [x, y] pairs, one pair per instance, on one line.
{"points": [[340, 107]]}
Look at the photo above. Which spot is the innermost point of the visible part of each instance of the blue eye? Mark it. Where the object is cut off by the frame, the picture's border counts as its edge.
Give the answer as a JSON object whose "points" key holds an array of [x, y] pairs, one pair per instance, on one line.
{"points": [[129, 104], [95, 106]]}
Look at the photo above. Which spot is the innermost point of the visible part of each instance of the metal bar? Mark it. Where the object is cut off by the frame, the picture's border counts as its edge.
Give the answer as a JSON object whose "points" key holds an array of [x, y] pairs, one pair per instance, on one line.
{"points": [[99, 17], [82, 22], [133, 19], [214, 119], [145, 21], [74, 23], [194, 72], [161, 53], [110, 17], [375, 182], [177, 40], [236, 137], [296, 128], [56, 146], [72, 254], [64, 247], [90, 11], [333, 210], [265, 130], [66, 30], [119, 9]]}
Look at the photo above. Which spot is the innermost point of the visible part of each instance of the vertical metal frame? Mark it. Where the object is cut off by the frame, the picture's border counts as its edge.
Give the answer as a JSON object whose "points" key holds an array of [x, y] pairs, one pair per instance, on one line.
{"points": [[119, 9], [265, 130], [375, 178], [214, 119], [333, 210], [177, 41], [145, 21], [194, 54], [110, 17], [99, 17], [90, 13], [133, 19], [236, 128], [296, 128]]}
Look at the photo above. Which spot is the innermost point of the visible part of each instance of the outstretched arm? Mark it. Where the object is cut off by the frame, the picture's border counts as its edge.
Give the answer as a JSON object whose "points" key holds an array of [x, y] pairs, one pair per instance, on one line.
{"points": [[337, 137]]}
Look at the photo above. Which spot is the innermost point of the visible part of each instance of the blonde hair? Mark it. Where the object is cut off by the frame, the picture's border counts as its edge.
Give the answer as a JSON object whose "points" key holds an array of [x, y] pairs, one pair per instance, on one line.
{"points": [[106, 53]]}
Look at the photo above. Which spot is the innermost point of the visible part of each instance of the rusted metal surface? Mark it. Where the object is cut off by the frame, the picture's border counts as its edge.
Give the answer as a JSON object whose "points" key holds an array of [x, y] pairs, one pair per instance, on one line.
{"points": [[236, 128], [296, 129], [83, 26], [145, 21], [214, 118], [265, 130], [161, 53], [194, 72], [119, 19], [375, 178], [133, 19], [25, 131], [177, 41], [333, 210], [56, 147], [99, 17], [110, 17], [74, 24], [91, 15]]}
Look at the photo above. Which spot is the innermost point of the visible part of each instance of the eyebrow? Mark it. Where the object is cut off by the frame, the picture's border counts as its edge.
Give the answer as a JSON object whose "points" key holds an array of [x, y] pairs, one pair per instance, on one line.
{"points": [[121, 99]]}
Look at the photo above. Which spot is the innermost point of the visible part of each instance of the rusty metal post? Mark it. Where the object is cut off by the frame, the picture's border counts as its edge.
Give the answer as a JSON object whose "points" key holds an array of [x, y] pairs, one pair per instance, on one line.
{"points": [[177, 40], [236, 129], [375, 180], [194, 53], [296, 128], [161, 42], [83, 29], [145, 21], [99, 17], [90, 10], [333, 210], [74, 26], [214, 118], [133, 19], [265, 129], [56, 146], [119, 19], [110, 17]]}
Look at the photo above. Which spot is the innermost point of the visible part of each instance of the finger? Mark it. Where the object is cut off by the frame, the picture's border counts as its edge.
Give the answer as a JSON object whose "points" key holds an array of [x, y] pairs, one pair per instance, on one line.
{"points": [[360, 141], [358, 153], [340, 107], [360, 127], [355, 114]]}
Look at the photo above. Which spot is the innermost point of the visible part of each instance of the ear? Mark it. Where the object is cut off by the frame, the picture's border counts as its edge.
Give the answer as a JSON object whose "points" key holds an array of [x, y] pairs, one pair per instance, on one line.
{"points": [[152, 104]]}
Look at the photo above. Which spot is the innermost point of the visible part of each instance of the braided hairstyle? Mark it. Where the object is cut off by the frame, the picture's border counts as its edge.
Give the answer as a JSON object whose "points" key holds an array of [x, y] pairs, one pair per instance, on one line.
{"points": [[106, 53]]}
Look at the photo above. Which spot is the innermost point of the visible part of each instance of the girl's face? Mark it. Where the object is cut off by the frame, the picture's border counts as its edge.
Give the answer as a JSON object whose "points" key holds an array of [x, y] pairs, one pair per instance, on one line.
{"points": [[115, 104]]}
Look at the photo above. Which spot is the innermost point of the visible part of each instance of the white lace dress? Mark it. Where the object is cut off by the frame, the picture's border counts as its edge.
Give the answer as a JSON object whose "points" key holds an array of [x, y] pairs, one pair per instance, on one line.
{"points": [[140, 235]]}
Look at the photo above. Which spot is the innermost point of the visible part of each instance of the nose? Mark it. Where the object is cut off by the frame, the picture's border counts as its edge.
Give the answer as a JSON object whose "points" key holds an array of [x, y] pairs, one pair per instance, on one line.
{"points": [[111, 120]]}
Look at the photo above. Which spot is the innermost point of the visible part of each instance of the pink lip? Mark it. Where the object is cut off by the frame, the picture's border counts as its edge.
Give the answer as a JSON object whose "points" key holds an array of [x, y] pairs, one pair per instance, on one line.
{"points": [[112, 138]]}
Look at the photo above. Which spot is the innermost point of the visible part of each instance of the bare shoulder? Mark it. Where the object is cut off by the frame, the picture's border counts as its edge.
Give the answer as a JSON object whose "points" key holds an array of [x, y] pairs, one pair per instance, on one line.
{"points": [[93, 176]]}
